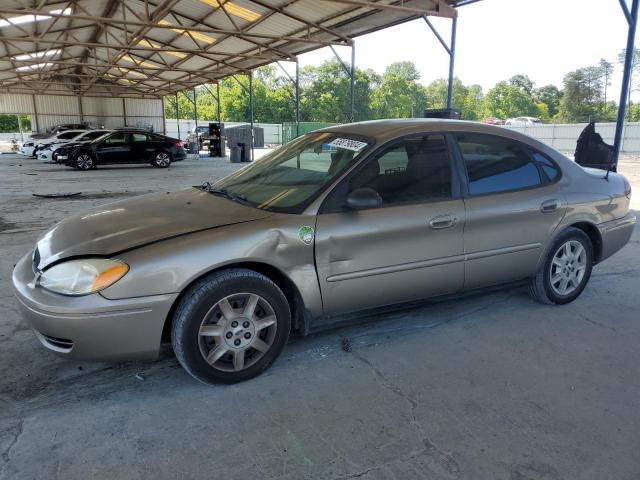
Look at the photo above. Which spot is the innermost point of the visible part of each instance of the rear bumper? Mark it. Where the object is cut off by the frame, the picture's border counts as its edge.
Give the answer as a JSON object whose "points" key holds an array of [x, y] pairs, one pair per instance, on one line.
{"points": [[91, 327], [615, 234]]}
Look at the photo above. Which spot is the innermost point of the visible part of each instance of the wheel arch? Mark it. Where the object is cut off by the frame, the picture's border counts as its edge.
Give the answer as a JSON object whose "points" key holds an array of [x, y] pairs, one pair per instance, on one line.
{"points": [[594, 235], [299, 315]]}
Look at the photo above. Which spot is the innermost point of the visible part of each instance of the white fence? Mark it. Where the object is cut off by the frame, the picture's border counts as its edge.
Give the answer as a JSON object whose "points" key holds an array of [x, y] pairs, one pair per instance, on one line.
{"points": [[564, 137], [272, 131]]}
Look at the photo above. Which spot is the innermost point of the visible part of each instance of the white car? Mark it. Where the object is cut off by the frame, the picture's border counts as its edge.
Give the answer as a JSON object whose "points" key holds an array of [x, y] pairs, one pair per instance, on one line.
{"points": [[47, 152], [523, 121], [31, 146]]}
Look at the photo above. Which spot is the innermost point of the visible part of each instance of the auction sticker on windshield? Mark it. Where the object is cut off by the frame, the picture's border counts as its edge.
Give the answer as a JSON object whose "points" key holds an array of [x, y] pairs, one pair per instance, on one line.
{"points": [[348, 144]]}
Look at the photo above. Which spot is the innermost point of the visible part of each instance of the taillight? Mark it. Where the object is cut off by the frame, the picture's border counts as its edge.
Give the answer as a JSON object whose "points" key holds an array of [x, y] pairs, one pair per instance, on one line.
{"points": [[627, 188], [179, 144]]}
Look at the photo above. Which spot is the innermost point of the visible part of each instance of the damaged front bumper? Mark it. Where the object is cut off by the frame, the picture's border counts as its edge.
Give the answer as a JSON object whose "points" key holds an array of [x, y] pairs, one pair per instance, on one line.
{"points": [[91, 327]]}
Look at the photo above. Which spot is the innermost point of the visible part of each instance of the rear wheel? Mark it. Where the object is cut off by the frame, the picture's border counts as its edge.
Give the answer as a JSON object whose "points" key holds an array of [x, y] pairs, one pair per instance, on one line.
{"points": [[161, 160], [230, 326], [566, 270], [84, 161]]}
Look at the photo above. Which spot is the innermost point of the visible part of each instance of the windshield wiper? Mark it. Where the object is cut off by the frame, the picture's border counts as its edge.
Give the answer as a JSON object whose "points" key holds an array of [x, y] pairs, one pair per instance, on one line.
{"points": [[207, 187]]}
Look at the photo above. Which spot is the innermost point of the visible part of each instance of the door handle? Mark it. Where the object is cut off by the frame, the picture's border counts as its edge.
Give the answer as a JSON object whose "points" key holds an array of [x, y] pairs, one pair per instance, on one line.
{"points": [[443, 221], [549, 206]]}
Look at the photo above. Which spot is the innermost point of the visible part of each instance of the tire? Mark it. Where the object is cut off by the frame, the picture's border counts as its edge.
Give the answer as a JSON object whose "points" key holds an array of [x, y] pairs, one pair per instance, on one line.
{"points": [[84, 161], [230, 347], [161, 159], [569, 262]]}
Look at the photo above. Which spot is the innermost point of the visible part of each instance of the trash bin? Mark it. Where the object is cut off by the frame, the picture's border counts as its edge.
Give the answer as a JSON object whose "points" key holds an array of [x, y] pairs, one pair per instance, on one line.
{"points": [[244, 153], [236, 154]]}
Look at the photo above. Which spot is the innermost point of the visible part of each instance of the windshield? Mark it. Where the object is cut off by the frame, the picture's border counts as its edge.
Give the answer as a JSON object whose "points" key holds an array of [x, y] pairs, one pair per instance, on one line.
{"points": [[290, 178]]}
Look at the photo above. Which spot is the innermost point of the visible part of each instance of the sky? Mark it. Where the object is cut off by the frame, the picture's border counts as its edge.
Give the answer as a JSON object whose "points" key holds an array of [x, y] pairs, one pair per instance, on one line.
{"points": [[544, 39]]}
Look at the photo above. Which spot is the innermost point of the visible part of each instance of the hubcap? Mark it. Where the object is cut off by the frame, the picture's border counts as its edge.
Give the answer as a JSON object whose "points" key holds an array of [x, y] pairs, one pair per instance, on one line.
{"points": [[568, 267], [237, 331], [84, 162], [162, 159]]}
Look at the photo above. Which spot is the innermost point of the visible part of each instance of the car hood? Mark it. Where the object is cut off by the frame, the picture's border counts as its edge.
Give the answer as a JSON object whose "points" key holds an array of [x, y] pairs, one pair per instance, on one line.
{"points": [[138, 221]]}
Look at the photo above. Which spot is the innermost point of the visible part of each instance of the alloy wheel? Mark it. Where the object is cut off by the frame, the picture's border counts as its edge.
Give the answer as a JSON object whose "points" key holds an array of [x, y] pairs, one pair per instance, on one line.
{"points": [[568, 267], [237, 331], [162, 159], [84, 162]]}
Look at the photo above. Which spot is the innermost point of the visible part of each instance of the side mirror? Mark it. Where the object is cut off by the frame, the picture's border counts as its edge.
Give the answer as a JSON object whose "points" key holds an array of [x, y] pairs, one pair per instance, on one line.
{"points": [[363, 199]]}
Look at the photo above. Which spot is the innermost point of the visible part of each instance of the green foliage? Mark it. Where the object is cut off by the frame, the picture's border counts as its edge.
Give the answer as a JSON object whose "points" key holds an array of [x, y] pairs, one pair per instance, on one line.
{"points": [[326, 93], [508, 100], [548, 97], [398, 93], [9, 123]]}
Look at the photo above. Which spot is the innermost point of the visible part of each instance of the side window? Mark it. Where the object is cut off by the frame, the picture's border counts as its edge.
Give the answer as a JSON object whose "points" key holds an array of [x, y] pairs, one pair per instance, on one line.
{"points": [[550, 169], [412, 170], [496, 164], [120, 137], [67, 135], [138, 137]]}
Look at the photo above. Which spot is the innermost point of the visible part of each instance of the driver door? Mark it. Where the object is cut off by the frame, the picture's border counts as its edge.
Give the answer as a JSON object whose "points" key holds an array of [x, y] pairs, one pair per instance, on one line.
{"points": [[114, 149], [409, 248]]}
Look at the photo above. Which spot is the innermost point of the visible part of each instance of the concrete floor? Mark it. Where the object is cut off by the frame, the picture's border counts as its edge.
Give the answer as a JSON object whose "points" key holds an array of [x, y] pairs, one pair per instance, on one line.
{"points": [[490, 387]]}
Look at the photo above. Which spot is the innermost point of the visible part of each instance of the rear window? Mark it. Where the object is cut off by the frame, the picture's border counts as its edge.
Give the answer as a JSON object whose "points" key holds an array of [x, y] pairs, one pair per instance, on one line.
{"points": [[549, 168]]}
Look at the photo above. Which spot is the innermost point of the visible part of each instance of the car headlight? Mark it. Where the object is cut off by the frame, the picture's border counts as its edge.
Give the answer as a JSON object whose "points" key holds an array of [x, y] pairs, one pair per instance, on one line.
{"points": [[84, 276]]}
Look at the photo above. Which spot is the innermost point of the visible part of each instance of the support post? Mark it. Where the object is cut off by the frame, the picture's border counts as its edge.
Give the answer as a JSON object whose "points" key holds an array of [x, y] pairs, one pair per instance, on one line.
{"points": [[124, 111], [177, 115], [195, 106], [251, 110], [20, 128], [626, 80], [353, 81], [80, 109], [218, 101], [164, 118], [452, 59], [297, 98]]}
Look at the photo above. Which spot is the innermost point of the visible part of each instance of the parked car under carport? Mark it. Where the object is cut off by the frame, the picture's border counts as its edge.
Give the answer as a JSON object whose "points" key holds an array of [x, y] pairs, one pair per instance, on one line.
{"points": [[339, 221]]}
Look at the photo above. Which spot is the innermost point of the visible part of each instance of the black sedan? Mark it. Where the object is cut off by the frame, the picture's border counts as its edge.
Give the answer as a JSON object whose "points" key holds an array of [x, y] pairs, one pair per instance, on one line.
{"points": [[123, 147]]}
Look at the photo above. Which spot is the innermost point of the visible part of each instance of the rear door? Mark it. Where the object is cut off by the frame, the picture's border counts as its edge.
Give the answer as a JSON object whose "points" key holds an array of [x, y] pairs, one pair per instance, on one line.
{"points": [[114, 149], [409, 248], [514, 203]]}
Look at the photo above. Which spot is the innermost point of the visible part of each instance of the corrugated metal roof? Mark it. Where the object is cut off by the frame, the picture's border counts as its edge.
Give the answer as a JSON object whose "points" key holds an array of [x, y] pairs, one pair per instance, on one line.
{"points": [[125, 48]]}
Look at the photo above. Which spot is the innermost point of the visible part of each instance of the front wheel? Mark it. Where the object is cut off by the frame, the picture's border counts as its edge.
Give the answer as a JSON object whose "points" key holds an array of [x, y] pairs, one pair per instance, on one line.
{"points": [[84, 161], [566, 270], [230, 326], [161, 160]]}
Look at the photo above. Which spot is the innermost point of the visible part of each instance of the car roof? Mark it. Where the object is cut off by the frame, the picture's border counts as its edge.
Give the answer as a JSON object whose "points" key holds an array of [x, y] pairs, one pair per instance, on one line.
{"points": [[384, 130]]}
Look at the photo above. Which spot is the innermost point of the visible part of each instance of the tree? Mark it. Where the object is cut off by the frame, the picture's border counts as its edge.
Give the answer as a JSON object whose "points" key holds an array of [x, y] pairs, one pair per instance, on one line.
{"points": [[509, 100], [635, 69], [399, 94], [326, 93], [583, 96], [606, 70], [523, 82], [550, 96], [468, 99]]}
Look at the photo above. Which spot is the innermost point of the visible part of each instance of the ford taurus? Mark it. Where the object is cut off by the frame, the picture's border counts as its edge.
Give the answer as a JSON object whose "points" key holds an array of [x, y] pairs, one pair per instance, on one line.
{"points": [[338, 221]]}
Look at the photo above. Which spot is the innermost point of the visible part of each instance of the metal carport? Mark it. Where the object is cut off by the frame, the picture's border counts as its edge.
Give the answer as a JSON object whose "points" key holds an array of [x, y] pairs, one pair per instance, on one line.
{"points": [[150, 49]]}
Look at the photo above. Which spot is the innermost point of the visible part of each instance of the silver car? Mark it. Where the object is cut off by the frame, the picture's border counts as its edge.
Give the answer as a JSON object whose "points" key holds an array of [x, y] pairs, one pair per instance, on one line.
{"points": [[338, 221]]}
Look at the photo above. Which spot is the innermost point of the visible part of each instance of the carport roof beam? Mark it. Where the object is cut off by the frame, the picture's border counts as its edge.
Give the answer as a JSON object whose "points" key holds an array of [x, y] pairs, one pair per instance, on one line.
{"points": [[178, 46]]}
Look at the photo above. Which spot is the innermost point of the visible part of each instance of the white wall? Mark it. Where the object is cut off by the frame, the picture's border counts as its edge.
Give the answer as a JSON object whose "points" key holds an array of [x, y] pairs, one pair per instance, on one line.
{"points": [[49, 110], [564, 136], [272, 131]]}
